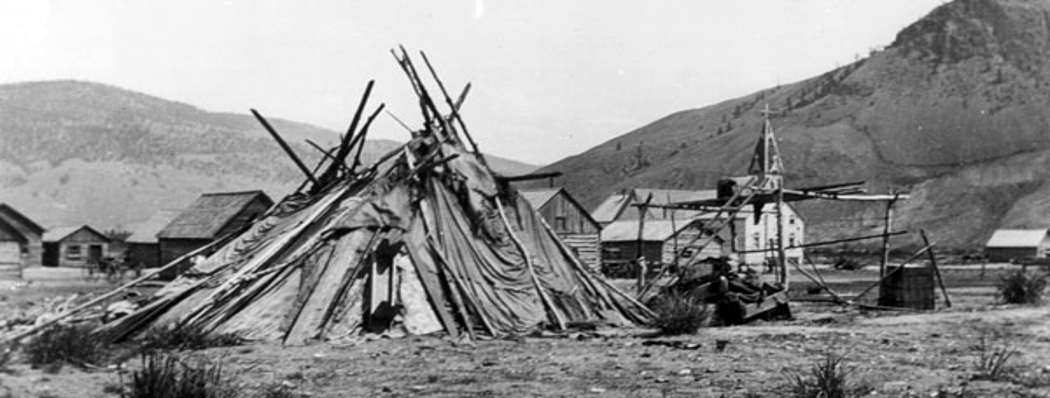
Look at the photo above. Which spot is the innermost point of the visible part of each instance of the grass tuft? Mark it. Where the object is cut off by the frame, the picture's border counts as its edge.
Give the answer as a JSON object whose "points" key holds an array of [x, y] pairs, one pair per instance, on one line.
{"points": [[829, 377], [61, 345], [165, 376], [679, 313], [993, 360], [1022, 288]]}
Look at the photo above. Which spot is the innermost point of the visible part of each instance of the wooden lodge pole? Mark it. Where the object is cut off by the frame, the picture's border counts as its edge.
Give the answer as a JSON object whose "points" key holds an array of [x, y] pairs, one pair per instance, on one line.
{"points": [[639, 258], [782, 256], [936, 270], [287, 149], [886, 226]]}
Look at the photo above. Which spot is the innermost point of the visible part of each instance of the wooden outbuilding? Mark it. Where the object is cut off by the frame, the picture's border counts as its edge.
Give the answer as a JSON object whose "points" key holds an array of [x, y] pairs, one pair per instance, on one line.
{"points": [[143, 247], [750, 233], [21, 242], [659, 239], [211, 216], [1017, 245], [81, 246], [571, 221]]}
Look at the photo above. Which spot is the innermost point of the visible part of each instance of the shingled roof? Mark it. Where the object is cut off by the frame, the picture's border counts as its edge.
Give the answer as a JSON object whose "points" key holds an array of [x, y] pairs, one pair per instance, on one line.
{"points": [[206, 217]]}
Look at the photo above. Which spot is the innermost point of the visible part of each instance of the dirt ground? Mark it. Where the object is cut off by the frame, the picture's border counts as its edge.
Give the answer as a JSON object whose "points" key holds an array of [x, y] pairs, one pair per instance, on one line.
{"points": [[895, 353]]}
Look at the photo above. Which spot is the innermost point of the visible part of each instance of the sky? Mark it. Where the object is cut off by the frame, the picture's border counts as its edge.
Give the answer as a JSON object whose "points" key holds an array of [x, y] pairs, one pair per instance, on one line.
{"points": [[549, 78]]}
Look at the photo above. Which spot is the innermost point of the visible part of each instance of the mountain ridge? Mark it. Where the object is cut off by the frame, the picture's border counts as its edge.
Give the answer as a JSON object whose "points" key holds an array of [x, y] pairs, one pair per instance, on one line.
{"points": [[955, 108], [75, 152]]}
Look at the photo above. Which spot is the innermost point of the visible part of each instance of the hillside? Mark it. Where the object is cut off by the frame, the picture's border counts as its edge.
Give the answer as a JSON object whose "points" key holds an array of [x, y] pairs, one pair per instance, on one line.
{"points": [[954, 111], [77, 152]]}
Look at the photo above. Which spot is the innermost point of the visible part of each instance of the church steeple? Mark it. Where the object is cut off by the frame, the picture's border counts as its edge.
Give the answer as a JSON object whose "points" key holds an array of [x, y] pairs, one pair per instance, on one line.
{"points": [[765, 163]]}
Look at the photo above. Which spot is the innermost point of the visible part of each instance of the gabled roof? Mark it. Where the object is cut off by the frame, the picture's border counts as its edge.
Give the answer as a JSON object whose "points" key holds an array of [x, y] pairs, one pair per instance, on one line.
{"points": [[621, 206], [59, 233], [539, 197], [146, 231], [209, 214], [9, 214], [1017, 238], [610, 208], [655, 230]]}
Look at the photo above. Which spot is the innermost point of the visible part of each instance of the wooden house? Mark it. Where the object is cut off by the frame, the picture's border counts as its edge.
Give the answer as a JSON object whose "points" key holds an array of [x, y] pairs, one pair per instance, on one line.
{"points": [[81, 246], [751, 237], [143, 247], [1017, 245], [211, 216], [570, 221], [21, 242], [755, 237], [659, 239]]}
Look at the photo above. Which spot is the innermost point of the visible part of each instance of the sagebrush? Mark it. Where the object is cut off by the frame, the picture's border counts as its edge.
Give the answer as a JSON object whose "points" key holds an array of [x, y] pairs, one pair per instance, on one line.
{"points": [[679, 313], [1022, 288]]}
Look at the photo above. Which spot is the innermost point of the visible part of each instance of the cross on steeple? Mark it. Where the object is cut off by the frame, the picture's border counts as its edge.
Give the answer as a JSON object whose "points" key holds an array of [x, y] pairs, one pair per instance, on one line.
{"points": [[765, 163]]}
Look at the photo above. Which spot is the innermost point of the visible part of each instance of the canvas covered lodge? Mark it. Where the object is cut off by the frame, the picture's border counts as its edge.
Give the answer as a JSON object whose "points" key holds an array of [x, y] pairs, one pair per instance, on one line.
{"points": [[426, 239]]}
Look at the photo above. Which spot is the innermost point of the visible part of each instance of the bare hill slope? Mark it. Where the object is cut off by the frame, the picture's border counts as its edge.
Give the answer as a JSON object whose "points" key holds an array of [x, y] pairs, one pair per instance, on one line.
{"points": [[956, 110], [78, 152]]}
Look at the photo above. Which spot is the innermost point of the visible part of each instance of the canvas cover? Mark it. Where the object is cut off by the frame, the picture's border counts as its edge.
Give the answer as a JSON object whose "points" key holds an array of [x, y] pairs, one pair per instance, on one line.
{"points": [[419, 247]]}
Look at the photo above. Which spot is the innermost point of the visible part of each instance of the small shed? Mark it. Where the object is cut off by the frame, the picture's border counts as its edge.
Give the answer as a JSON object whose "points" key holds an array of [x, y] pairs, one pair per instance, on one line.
{"points": [[659, 239], [1017, 244], [211, 216], [570, 221], [81, 246], [21, 242], [143, 247]]}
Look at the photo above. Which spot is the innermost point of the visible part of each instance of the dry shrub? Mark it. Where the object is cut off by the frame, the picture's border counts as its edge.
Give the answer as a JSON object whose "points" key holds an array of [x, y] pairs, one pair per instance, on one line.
{"points": [[1022, 288], [184, 338], [165, 376], [993, 360], [828, 377], [678, 313], [60, 345]]}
